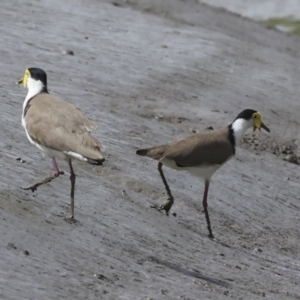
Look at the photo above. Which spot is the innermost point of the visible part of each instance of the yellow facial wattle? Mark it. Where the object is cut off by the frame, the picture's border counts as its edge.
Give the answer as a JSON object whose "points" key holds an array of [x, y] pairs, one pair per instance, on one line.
{"points": [[257, 120], [24, 79], [258, 123]]}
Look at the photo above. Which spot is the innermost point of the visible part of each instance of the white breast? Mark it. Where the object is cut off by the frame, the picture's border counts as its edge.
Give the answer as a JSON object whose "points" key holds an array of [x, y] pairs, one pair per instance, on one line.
{"points": [[203, 171]]}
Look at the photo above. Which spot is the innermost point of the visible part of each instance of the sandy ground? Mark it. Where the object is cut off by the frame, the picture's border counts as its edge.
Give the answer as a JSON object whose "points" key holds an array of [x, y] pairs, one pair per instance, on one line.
{"points": [[149, 72]]}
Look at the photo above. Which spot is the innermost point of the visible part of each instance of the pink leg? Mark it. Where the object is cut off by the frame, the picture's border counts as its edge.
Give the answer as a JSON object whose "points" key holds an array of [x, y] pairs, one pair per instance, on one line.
{"points": [[56, 170], [34, 186]]}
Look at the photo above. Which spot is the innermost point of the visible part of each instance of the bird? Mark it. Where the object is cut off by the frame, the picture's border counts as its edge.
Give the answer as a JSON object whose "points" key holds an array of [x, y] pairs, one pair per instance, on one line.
{"points": [[202, 154], [57, 128]]}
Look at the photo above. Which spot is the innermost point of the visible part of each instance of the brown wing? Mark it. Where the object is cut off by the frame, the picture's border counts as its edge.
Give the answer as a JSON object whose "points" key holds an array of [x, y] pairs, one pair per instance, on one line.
{"points": [[200, 149], [59, 125], [212, 147], [154, 152]]}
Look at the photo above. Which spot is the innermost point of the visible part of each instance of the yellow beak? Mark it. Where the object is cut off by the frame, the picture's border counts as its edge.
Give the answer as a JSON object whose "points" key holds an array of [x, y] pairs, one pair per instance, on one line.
{"points": [[20, 81], [263, 126]]}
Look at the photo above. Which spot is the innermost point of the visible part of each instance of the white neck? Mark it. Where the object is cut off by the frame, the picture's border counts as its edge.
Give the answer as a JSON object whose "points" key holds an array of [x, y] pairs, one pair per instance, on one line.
{"points": [[239, 127], [34, 87]]}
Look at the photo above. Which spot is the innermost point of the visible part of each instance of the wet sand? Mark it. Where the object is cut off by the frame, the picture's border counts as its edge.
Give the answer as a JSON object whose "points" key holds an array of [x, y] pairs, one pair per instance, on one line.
{"points": [[149, 72]]}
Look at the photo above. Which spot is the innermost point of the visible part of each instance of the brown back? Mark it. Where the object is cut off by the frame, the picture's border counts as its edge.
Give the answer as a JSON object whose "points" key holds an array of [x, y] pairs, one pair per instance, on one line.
{"points": [[59, 125], [211, 147]]}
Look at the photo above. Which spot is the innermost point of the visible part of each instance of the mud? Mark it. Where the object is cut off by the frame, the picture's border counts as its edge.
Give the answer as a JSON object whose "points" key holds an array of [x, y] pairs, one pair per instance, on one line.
{"points": [[149, 72]]}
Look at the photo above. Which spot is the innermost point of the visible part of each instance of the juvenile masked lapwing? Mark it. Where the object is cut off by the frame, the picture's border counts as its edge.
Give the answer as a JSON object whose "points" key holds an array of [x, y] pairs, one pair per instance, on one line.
{"points": [[57, 128], [202, 154]]}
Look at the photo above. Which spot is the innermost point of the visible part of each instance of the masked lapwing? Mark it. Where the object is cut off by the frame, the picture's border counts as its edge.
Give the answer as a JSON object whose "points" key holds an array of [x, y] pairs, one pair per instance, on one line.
{"points": [[202, 154], [57, 128]]}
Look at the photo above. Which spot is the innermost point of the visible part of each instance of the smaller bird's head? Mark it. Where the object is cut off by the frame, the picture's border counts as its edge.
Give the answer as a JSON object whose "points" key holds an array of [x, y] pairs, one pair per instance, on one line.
{"points": [[254, 118], [34, 77]]}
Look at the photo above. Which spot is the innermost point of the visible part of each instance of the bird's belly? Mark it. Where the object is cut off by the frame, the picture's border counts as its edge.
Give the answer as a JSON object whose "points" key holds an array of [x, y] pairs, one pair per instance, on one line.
{"points": [[64, 155], [45, 150], [170, 163], [51, 152], [204, 171]]}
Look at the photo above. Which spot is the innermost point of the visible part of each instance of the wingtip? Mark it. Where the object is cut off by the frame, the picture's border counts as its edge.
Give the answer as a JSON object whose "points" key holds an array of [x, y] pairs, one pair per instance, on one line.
{"points": [[142, 152], [97, 162]]}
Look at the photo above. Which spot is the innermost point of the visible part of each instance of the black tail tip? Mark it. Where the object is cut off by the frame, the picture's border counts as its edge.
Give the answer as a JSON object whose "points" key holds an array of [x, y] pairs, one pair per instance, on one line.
{"points": [[96, 162], [142, 152]]}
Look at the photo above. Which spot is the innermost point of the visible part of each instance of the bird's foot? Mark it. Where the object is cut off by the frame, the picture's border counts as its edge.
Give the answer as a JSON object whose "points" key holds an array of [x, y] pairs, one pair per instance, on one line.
{"points": [[211, 236], [165, 207], [34, 186], [160, 208], [70, 219]]}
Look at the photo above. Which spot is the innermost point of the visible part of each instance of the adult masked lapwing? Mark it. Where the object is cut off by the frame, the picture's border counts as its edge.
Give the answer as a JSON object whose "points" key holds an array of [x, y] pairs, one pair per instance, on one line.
{"points": [[57, 128], [202, 154]]}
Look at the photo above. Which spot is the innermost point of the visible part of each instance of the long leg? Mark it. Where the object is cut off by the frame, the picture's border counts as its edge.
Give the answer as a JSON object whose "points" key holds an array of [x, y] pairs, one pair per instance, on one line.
{"points": [[34, 186], [205, 209], [167, 206], [72, 178]]}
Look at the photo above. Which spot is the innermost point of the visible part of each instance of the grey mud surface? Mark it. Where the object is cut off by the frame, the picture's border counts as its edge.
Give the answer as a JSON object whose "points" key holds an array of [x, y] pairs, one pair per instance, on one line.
{"points": [[149, 72]]}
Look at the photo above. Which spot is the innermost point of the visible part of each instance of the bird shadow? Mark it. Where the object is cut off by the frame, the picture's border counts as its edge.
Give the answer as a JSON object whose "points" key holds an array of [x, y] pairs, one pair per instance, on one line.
{"points": [[187, 272]]}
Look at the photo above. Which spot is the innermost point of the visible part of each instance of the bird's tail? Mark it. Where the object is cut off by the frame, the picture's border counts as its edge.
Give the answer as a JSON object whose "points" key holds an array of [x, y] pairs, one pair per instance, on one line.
{"points": [[154, 152], [142, 152], [97, 162]]}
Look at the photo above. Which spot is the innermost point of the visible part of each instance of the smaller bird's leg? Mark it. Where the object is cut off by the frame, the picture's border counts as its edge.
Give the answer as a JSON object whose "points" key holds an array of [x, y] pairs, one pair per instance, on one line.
{"points": [[34, 186], [167, 206], [56, 170], [205, 209], [72, 178]]}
